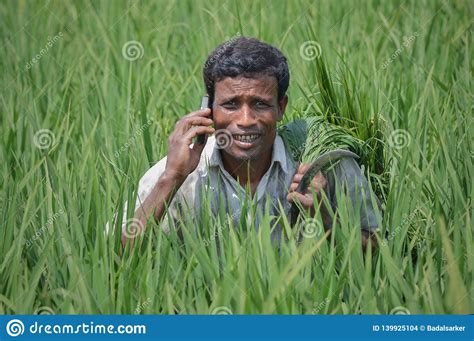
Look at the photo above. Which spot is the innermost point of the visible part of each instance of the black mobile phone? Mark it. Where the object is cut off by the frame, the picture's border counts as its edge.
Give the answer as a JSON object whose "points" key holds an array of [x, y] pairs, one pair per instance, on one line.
{"points": [[204, 104]]}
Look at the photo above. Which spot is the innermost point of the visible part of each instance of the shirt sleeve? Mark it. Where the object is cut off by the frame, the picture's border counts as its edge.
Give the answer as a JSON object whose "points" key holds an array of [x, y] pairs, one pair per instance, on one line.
{"points": [[347, 174]]}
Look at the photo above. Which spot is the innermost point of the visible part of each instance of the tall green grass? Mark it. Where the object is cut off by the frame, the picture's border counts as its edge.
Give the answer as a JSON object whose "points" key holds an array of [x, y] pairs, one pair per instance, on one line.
{"points": [[398, 76]]}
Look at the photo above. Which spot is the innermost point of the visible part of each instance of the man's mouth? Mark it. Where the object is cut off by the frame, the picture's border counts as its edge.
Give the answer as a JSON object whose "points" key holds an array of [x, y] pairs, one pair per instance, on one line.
{"points": [[246, 138]]}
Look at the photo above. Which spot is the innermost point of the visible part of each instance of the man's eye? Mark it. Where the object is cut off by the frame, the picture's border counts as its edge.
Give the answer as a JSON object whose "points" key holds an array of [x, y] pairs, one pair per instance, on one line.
{"points": [[261, 104], [230, 105]]}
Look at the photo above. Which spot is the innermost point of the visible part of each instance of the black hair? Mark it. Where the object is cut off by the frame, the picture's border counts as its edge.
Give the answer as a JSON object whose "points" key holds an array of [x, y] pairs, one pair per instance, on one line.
{"points": [[248, 57]]}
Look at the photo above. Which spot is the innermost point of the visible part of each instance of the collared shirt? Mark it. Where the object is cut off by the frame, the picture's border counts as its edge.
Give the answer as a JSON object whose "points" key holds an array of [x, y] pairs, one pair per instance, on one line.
{"points": [[211, 179]]}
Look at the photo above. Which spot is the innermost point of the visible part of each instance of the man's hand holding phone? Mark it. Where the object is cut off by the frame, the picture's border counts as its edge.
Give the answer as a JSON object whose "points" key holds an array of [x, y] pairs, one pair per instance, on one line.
{"points": [[181, 159]]}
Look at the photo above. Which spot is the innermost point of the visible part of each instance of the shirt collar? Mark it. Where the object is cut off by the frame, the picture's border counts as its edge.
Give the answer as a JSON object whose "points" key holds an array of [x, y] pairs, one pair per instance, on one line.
{"points": [[278, 155]]}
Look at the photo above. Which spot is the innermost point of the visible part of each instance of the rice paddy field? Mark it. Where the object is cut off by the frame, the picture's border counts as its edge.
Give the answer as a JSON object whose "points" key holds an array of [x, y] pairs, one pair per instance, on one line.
{"points": [[92, 89]]}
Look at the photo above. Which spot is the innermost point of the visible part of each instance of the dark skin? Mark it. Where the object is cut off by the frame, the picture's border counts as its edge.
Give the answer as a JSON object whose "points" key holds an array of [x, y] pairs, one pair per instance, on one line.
{"points": [[246, 108]]}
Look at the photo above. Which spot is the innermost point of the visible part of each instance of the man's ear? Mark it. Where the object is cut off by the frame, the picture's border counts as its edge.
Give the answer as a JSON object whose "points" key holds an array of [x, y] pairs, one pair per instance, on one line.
{"points": [[282, 107]]}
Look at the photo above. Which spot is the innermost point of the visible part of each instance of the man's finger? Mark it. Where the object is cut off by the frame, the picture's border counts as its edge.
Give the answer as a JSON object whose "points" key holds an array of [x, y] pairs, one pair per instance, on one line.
{"points": [[198, 121], [306, 202], [197, 130], [199, 113], [293, 186], [303, 167], [297, 177], [318, 182], [183, 125]]}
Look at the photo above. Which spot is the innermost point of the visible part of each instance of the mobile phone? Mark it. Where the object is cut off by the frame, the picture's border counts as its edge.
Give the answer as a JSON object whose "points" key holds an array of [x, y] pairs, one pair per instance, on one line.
{"points": [[204, 104]]}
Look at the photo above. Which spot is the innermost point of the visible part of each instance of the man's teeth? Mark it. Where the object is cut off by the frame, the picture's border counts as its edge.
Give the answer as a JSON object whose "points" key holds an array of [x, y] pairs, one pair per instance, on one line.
{"points": [[246, 138]]}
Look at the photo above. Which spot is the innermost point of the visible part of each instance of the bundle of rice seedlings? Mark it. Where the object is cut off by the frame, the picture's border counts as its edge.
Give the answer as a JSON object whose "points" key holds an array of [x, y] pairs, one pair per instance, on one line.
{"points": [[312, 136], [338, 118], [309, 138]]}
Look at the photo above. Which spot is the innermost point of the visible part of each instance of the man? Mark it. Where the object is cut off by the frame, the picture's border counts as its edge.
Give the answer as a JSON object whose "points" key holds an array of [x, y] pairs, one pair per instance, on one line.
{"points": [[247, 82]]}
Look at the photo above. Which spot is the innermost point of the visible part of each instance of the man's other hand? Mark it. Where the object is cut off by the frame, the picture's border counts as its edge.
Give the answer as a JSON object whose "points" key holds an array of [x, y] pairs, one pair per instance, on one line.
{"points": [[318, 184]]}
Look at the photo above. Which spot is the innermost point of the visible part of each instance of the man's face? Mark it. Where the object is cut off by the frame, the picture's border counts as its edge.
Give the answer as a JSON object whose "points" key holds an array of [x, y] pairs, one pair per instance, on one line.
{"points": [[248, 108]]}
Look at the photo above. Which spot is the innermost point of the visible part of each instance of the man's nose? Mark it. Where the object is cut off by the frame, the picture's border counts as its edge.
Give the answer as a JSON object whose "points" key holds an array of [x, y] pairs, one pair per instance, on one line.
{"points": [[246, 117]]}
